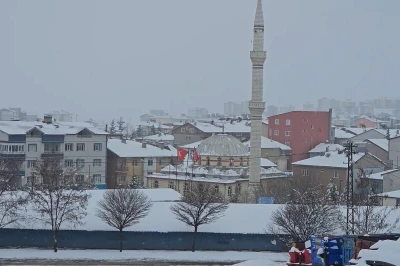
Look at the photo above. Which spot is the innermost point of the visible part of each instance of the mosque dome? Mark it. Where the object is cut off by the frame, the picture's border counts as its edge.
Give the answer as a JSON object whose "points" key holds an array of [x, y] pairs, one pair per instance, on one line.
{"points": [[222, 145]]}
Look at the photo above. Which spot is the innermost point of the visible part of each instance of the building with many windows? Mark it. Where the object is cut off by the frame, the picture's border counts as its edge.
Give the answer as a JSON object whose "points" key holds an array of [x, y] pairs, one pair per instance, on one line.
{"points": [[77, 144]]}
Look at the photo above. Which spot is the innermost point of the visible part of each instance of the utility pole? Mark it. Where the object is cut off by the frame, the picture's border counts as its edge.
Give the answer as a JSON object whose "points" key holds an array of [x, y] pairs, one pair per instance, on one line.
{"points": [[349, 149]]}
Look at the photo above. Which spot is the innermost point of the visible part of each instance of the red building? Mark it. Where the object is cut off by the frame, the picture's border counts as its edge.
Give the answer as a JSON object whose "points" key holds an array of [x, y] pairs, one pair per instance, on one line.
{"points": [[300, 130]]}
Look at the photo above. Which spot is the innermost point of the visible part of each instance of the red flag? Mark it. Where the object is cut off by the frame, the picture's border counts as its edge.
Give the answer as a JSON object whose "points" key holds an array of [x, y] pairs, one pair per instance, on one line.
{"points": [[182, 153], [195, 155]]}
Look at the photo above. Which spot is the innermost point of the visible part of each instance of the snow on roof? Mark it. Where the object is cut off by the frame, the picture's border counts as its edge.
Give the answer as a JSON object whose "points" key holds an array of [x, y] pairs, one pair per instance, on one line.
{"points": [[356, 130], [55, 128], [379, 175], [323, 146], [172, 149], [267, 143], [134, 149], [224, 126], [382, 143], [160, 137], [334, 160], [342, 134], [168, 168], [222, 145], [371, 119], [392, 132], [192, 145], [266, 163]]}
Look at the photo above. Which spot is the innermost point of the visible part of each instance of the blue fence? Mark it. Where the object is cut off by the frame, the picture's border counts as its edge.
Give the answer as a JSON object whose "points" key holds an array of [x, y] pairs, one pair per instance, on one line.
{"points": [[74, 239]]}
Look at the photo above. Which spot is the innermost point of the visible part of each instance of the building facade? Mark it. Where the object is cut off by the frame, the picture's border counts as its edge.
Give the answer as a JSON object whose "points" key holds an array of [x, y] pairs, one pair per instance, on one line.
{"points": [[301, 130], [78, 145]]}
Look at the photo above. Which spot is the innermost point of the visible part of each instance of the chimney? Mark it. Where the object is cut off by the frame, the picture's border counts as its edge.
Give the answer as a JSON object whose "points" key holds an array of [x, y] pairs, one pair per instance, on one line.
{"points": [[47, 119], [144, 145], [160, 145], [327, 149]]}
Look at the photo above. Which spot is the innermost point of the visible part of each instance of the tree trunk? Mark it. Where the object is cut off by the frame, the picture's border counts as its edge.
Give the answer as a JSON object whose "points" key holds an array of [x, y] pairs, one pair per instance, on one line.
{"points": [[55, 244], [194, 239], [120, 240]]}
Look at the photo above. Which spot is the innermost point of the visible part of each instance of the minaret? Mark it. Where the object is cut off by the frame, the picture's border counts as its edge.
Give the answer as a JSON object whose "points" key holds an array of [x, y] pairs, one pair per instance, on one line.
{"points": [[256, 105]]}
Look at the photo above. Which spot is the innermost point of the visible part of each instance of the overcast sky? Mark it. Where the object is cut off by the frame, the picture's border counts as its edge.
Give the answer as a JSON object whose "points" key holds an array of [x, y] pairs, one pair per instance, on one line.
{"points": [[103, 59]]}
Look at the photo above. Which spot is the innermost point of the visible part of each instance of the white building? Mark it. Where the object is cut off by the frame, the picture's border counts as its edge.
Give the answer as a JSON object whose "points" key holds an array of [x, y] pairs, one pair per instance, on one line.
{"points": [[62, 116], [77, 144]]}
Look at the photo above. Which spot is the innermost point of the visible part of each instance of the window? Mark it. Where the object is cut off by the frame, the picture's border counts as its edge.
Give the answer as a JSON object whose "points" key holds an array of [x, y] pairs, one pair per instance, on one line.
{"points": [[134, 162], [171, 184], [97, 147], [288, 122], [312, 126], [287, 143], [276, 121], [208, 161], [216, 188], [149, 173], [238, 188], [238, 134], [96, 162], [231, 162], [69, 146], [80, 147], [183, 130], [241, 161], [80, 163], [287, 133], [229, 191], [69, 163], [31, 163], [97, 178], [305, 172], [191, 130], [121, 179], [122, 163], [276, 132], [50, 148], [219, 163], [32, 147], [186, 187], [156, 184], [150, 161], [80, 179], [335, 174]]}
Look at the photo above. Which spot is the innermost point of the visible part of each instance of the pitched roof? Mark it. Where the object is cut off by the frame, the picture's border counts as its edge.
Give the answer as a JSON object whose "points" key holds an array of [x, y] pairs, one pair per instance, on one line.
{"points": [[381, 143], [133, 149], [330, 146], [55, 128], [334, 160], [159, 137], [266, 163], [192, 145], [343, 134], [267, 143], [379, 175]]}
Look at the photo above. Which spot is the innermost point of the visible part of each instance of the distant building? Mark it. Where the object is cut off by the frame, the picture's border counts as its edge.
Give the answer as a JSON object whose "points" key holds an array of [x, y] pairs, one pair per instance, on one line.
{"points": [[62, 116], [366, 107], [301, 130], [157, 112], [198, 112], [324, 104], [236, 109], [271, 110], [368, 122], [286, 109], [13, 114], [308, 107]]}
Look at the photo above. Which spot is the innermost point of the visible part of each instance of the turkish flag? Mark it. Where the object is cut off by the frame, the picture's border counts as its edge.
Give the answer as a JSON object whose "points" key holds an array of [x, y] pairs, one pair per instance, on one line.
{"points": [[182, 153], [195, 156]]}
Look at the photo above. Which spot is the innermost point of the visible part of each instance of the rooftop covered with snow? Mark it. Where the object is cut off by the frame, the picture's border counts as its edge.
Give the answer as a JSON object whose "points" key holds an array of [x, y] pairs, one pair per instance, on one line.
{"points": [[381, 143], [329, 159], [379, 175], [133, 149], [324, 147], [222, 145], [267, 143]]}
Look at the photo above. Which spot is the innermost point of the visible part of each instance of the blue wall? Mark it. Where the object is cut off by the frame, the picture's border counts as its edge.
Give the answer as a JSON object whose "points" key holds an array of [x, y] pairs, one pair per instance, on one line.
{"points": [[74, 239], [53, 138], [17, 138]]}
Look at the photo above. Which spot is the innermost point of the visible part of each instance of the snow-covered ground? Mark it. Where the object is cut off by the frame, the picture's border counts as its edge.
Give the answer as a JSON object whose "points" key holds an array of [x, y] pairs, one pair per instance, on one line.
{"points": [[383, 251], [146, 255], [258, 263]]}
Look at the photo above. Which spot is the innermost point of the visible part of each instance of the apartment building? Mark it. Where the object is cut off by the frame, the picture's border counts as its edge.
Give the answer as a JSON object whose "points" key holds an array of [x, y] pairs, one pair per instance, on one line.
{"points": [[301, 130], [77, 144]]}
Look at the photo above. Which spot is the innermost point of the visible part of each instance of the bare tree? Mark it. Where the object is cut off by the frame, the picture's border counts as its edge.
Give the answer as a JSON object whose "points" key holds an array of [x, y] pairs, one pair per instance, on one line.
{"points": [[370, 217], [122, 208], [202, 205], [56, 198], [11, 200], [309, 212]]}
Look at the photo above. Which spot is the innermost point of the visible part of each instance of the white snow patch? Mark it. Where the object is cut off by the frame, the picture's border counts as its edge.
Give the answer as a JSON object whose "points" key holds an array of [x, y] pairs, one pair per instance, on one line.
{"points": [[158, 255]]}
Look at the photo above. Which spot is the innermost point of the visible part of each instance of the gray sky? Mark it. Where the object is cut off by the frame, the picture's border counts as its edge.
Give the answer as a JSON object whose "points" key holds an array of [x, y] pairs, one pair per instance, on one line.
{"points": [[103, 59]]}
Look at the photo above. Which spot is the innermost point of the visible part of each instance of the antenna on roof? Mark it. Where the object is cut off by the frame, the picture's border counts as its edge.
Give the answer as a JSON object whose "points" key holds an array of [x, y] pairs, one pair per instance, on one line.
{"points": [[223, 128]]}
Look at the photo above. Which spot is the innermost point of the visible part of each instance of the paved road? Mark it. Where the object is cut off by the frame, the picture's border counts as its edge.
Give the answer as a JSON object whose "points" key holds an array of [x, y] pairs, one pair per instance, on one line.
{"points": [[113, 263]]}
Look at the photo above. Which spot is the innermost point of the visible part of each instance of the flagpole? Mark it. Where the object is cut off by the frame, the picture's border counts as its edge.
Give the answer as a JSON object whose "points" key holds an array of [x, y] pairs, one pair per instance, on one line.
{"points": [[176, 170]]}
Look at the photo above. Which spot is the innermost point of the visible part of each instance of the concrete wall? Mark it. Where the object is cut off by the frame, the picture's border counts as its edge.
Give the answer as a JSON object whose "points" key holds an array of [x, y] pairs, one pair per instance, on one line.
{"points": [[391, 181], [370, 134], [323, 175], [139, 240], [378, 152]]}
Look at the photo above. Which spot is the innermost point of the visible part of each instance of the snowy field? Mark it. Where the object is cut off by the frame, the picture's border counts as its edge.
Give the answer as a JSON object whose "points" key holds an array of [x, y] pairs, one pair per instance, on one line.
{"points": [[264, 258]]}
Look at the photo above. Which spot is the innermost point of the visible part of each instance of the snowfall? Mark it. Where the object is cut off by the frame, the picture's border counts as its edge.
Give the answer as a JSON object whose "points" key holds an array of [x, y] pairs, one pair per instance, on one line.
{"points": [[248, 258]]}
